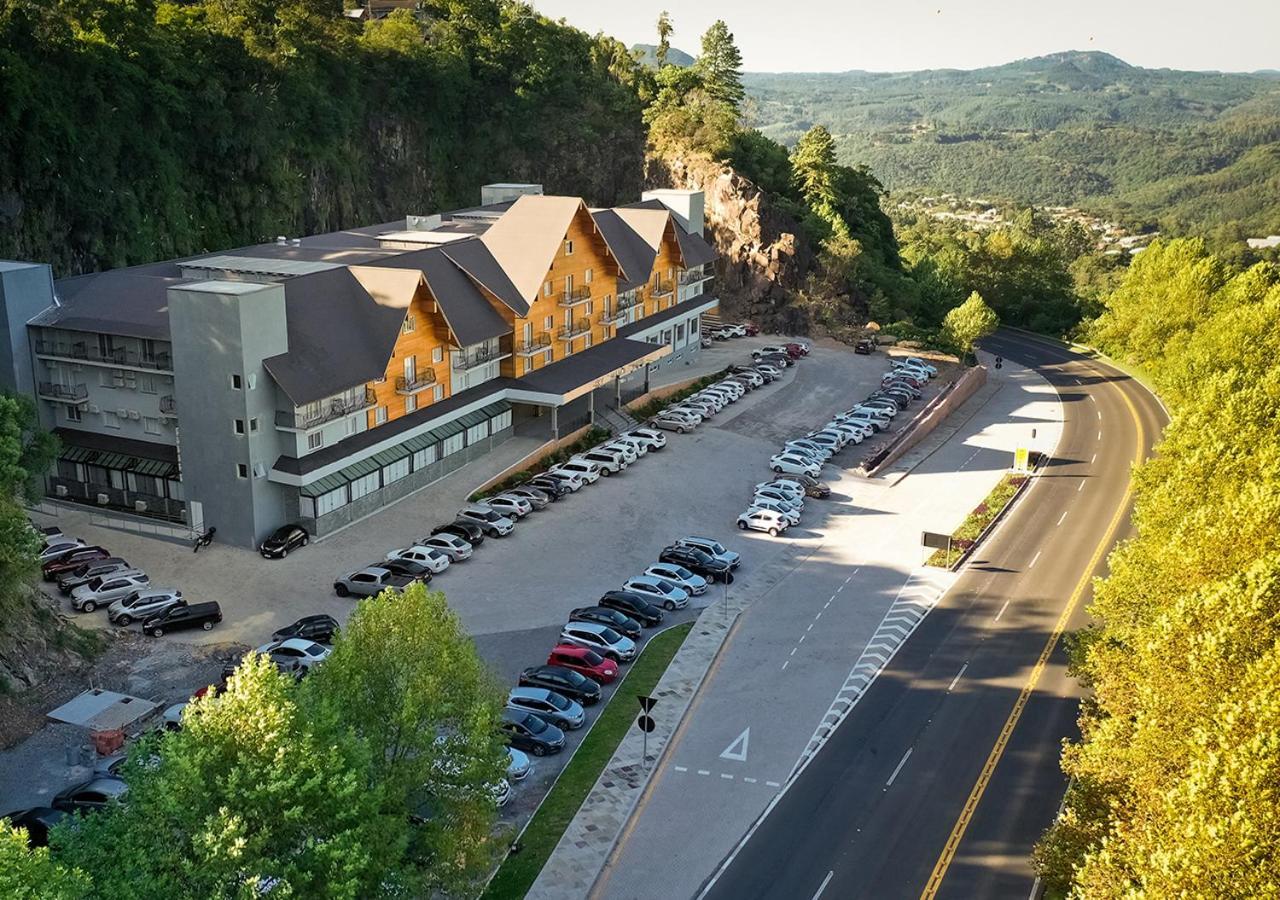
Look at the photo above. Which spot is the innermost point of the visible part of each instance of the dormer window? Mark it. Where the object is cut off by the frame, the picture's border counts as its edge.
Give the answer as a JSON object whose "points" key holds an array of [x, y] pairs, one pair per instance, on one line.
{"points": [[568, 248], [408, 325]]}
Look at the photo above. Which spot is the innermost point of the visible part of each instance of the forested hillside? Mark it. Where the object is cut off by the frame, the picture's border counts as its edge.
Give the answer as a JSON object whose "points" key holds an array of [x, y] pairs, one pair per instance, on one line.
{"points": [[1174, 784], [1189, 152], [134, 130]]}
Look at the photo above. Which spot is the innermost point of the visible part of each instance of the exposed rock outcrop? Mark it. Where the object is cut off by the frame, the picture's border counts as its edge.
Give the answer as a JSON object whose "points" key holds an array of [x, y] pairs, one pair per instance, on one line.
{"points": [[764, 258]]}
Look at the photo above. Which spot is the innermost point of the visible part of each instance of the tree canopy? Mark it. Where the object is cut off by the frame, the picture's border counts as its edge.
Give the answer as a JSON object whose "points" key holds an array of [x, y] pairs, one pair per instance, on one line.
{"points": [[969, 322]]}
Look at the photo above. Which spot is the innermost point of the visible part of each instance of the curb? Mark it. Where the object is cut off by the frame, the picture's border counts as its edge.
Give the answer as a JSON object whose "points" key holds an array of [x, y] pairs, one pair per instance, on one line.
{"points": [[1033, 475]]}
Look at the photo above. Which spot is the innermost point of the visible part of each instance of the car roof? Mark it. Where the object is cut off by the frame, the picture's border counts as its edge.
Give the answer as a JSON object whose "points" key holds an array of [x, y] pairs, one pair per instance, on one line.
{"points": [[102, 784], [373, 570], [593, 627], [529, 693], [643, 579]]}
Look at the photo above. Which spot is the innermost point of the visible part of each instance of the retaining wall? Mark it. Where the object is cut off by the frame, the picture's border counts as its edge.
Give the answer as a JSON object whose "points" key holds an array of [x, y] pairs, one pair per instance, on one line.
{"points": [[964, 388]]}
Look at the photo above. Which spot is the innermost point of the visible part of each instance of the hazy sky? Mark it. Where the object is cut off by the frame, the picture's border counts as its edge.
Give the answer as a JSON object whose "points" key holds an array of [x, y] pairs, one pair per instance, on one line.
{"points": [[893, 35]]}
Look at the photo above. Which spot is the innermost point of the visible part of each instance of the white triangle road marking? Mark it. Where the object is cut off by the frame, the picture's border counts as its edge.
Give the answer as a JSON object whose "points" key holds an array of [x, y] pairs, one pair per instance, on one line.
{"points": [[738, 749]]}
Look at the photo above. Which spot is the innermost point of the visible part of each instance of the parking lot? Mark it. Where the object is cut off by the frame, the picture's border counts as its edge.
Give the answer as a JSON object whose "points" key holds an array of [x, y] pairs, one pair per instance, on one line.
{"points": [[515, 593]]}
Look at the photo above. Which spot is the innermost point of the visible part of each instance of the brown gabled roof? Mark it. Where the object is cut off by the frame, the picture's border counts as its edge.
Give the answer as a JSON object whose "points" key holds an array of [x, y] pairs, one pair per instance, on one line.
{"points": [[527, 237], [470, 316], [651, 224], [474, 258]]}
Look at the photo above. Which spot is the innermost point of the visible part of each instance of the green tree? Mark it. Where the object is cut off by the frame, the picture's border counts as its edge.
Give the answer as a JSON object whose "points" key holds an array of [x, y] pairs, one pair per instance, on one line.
{"points": [[665, 30], [685, 116], [30, 874], [26, 449], [720, 66], [969, 322], [406, 679], [250, 796], [813, 162]]}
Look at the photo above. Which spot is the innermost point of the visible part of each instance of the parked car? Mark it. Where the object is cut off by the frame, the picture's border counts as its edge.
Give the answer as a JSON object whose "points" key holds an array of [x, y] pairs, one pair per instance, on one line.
{"points": [[798, 348], [284, 539], [609, 461], [812, 487], [693, 416], [70, 560], [493, 522], [525, 731], [295, 654], [564, 681], [778, 360], [670, 422], [763, 520], [450, 545], [587, 470], [171, 718], [712, 548], [791, 514], [737, 330], [816, 457], [852, 433], [749, 373], [636, 447], [655, 439], [629, 454], [143, 605], [805, 480], [176, 618], [406, 567], [634, 606], [570, 480], [91, 795], [657, 591], [86, 572], [553, 487], [538, 499], [107, 589], [600, 638], [697, 561], [559, 710], [319, 628], [773, 349], [812, 447], [59, 547], [513, 507], [868, 417], [617, 621], [916, 362], [518, 765], [788, 489], [792, 464], [864, 347], [769, 371], [831, 442], [435, 560], [371, 581], [889, 406], [584, 661], [678, 576], [38, 822], [747, 380], [470, 532]]}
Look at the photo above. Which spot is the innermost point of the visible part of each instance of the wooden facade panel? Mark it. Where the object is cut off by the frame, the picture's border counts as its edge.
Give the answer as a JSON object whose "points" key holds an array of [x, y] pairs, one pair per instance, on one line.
{"points": [[430, 334]]}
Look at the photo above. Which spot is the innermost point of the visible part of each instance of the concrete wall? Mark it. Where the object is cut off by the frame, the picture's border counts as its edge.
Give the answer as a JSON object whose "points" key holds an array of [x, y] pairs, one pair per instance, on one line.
{"points": [[26, 289], [965, 387], [530, 459], [222, 329]]}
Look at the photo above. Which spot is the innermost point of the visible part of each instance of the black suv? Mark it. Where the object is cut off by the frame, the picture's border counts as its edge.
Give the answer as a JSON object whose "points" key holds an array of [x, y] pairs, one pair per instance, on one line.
{"points": [[563, 681], [319, 628], [610, 617], [176, 618], [632, 604], [85, 573], [698, 562], [549, 484], [470, 532], [284, 539]]}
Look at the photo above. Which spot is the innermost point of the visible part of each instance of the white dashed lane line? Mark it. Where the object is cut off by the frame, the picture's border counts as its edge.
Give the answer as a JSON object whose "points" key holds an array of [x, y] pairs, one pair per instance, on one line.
{"points": [[902, 762], [1034, 559], [1063, 516], [952, 685], [1081, 488]]}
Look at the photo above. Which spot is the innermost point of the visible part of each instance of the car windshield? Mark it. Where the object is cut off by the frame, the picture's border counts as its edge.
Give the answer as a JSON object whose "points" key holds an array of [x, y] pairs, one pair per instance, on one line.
{"points": [[534, 724], [610, 635], [592, 658], [95, 584], [488, 515], [681, 571], [660, 586], [557, 701], [574, 678]]}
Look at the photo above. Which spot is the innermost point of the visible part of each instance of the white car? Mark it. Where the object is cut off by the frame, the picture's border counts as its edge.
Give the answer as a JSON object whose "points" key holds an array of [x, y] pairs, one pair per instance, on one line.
{"points": [[674, 422], [717, 401], [492, 522], [518, 764], [587, 471], [813, 448], [786, 498], [720, 393], [791, 514], [600, 638], [655, 590], [791, 464], [731, 386], [737, 330], [637, 446], [863, 425], [107, 589], [451, 545], [435, 560], [655, 439], [678, 576], [769, 369], [790, 488], [852, 433], [509, 505], [681, 412], [755, 379], [807, 453], [609, 461], [572, 480], [295, 654], [629, 453], [916, 363], [830, 441], [763, 520], [771, 348], [704, 408]]}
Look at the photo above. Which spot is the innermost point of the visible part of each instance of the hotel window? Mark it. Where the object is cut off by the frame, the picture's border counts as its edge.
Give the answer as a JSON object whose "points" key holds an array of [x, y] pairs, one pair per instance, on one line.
{"points": [[397, 470], [110, 420], [424, 458], [437, 393], [437, 354], [586, 277], [380, 416], [528, 333], [408, 325], [451, 445], [150, 425], [364, 485], [242, 471], [588, 307], [568, 285], [547, 289], [147, 384], [315, 440], [478, 432], [236, 383], [73, 414], [239, 426], [410, 403], [586, 340], [259, 470], [327, 503], [568, 248], [550, 323], [253, 425]]}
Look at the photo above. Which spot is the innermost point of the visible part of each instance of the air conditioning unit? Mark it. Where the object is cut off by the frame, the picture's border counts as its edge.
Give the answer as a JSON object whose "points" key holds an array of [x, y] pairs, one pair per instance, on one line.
{"points": [[140, 505], [134, 414], [60, 490], [103, 499], [122, 413], [94, 408]]}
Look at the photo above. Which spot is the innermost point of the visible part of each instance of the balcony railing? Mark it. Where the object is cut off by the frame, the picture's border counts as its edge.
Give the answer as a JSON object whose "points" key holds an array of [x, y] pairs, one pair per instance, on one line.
{"points": [[63, 393], [696, 274], [477, 357], [302, 419], [168, 407], [81, 351], [627, 301], [575, 296], [617, 317], [660, 289], [571, 331], [420, 382], [539, 343]]}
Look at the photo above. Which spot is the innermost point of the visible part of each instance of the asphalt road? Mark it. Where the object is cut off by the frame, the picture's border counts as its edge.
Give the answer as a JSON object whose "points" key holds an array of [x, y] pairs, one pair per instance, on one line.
{"points": [[945, 774]]}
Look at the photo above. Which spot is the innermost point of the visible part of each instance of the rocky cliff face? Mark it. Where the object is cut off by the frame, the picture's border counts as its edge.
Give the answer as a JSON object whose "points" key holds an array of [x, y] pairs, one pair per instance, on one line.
{"points": [[764, 258]]}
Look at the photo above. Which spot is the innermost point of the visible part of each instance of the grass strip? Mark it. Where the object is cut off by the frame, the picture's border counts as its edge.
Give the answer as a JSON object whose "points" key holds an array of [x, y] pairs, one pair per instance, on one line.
{"points": [[976, 522], [518, 873]]}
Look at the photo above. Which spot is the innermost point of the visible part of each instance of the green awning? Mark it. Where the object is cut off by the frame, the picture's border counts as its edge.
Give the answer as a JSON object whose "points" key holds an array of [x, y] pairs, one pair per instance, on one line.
{"points": [[496, 409], [324, 486], [449, 430], [472, 419], [155, 468], [359, 469], [124, 462], [421, 442], [395, 454]]}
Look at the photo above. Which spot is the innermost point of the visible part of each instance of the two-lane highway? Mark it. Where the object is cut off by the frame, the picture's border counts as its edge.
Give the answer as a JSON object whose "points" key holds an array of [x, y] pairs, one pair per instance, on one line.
{"points": [[944, 775]]}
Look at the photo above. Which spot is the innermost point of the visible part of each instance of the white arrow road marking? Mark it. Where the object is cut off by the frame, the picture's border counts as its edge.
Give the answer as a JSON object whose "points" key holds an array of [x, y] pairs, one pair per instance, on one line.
{"points": [[738, 749]]}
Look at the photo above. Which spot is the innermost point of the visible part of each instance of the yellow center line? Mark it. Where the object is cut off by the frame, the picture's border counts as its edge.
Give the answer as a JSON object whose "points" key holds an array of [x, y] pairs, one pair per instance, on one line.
{"points": [[997, 751]]}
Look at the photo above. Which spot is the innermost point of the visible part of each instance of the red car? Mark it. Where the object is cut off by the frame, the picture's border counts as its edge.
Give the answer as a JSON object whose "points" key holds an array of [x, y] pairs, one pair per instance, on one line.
{"points": [[752, 329], [797, 349], [584, 661], [907, 379], [71, 560]]}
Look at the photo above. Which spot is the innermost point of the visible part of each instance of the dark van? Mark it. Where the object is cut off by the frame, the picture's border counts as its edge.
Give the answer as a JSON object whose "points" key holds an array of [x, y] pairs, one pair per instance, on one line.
{"points": [[197, 615]]}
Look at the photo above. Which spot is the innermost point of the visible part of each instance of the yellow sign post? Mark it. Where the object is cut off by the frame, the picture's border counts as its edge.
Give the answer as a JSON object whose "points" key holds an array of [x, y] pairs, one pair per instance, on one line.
{"points": [[1022, 460]]}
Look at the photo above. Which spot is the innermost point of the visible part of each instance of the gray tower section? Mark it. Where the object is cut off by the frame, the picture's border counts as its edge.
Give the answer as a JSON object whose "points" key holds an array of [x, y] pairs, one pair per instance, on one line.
{"points": [[223, 329], [26, 290]]}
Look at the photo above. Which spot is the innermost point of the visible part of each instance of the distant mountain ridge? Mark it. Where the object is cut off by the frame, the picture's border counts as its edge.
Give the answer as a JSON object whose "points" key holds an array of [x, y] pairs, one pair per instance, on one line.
{"points": [[649, 56], [1187, 151]]}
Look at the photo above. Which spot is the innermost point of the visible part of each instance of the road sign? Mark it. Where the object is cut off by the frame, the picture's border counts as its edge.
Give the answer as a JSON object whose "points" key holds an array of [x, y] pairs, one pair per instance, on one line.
{"points": [[646, 723], [1021, 459], [646, 703], [737, 750], [934, 540]]}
